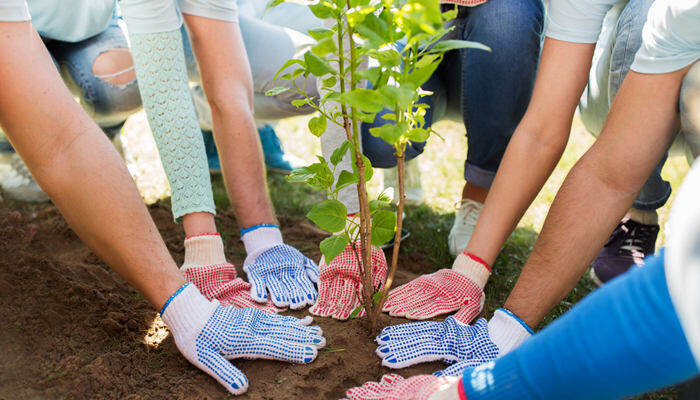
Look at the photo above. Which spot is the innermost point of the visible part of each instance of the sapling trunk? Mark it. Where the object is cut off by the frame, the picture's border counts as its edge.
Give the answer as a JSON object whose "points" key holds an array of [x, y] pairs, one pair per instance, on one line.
{"points": [[350, 126], [401, 164]]}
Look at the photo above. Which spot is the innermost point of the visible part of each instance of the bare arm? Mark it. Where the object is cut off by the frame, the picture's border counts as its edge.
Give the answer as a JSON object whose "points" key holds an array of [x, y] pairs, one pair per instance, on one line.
{"points": [[228, 85], [536, 146], [77, 166], [598, 190]]}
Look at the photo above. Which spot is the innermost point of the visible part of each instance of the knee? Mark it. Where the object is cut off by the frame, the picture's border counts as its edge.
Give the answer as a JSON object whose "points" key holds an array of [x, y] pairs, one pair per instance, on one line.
{"points": [[503, 24], [115, 66]]}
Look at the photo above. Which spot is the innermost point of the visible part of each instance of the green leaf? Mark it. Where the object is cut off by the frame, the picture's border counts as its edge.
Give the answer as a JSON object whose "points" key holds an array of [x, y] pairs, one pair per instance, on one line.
{"points": [[391, 133], [317, 125], [363, 99], [423, 70], [329, 82], [276, 90], [329, 215], [323, 178], [272, 3], [356, 312], [386, 195], [288, 64], [340, 152], [383, 226], [450, 14], [377, 297], [372, 74], [376, 205], [387, 58], [389, 116], [320, 33], [369, 171], [364, 117], [317, 65], [321, 11], [375, 30], [332, 246], [418, 135], [401, 97], [299, 102], [447, 45], [346, 178], [324, 46], [302, 174]]}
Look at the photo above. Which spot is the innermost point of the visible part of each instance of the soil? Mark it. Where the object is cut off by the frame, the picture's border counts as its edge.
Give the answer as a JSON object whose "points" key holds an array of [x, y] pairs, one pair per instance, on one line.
{"points": [[70, 328]]}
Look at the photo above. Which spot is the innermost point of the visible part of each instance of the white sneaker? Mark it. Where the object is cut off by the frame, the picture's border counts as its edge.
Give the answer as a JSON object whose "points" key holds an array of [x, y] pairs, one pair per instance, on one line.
{"points": [[465, 221], [17, 182]]}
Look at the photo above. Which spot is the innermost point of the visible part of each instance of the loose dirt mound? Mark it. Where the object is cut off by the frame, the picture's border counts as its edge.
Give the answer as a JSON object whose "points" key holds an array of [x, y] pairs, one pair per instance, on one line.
{"points": [[71, 328]]}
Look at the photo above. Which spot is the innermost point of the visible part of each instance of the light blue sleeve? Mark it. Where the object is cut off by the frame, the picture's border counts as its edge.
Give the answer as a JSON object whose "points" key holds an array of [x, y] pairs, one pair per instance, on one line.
{"points": [[157, 16], [150, 16], [577, 21], [224, 10], [621, 340], [71, 21], [671, 37], [14, 11]]}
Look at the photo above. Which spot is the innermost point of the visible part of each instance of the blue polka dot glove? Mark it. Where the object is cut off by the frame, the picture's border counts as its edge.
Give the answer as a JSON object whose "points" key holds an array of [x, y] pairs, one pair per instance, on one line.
{"points": [[451, 341], [209, 334], [273, 266]]}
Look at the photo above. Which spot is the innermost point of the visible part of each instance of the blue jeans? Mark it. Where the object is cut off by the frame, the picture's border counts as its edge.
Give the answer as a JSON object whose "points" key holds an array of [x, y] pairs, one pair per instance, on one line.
{"points": [[110, 105], [615, 51], [488, 91]]}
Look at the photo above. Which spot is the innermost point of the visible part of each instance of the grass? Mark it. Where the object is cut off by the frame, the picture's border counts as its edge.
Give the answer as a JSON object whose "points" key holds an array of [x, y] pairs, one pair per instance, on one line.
{"points": [[441, 168]]}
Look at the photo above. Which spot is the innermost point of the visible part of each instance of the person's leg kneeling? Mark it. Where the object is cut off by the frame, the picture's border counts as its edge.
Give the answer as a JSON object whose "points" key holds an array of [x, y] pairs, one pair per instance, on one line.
{"points": [[100, 72]]}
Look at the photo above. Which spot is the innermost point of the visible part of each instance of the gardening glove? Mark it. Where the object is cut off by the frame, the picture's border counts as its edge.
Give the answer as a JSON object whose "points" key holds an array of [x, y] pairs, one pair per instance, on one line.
{"points": [[340, 283], [278, 268], [209, 334], [206, 266], [451, 341], [394, 387], [445, 291]]}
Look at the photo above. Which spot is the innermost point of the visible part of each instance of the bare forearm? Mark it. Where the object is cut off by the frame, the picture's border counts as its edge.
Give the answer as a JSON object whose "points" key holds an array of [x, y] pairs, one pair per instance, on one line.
{"points": [[76, 165], [536, 146], [227, 82], [598, 191], [525, 168]]}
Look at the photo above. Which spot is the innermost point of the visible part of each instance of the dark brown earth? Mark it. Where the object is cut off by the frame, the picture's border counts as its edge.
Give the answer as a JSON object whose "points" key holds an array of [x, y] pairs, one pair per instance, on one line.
{"points": [[70, 328]]}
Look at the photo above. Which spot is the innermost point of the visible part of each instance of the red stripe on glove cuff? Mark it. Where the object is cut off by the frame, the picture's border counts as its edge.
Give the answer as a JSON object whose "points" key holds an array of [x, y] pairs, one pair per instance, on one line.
{"points": [[203, 234], [460, 390], [477, 259]]}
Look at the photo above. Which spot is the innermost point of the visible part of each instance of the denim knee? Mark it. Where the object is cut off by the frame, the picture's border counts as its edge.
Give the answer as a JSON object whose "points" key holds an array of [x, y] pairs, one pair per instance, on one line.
{"points": [[108, 103]]}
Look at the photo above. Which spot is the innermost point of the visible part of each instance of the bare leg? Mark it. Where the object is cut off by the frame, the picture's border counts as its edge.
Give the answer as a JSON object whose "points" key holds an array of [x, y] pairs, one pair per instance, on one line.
{"points": [[76, 165], [227, 82], [473, 192]]}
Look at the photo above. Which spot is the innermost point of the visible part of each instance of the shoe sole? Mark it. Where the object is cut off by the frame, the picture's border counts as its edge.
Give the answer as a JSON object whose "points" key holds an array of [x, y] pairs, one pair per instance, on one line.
{"points": [[594, 277]]}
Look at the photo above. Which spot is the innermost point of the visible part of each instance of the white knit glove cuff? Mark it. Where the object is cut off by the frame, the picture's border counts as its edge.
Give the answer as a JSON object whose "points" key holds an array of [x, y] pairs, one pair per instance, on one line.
{"points": [[259, 240], [186, 313], [472, 269], [507, 331], [203, 250]]}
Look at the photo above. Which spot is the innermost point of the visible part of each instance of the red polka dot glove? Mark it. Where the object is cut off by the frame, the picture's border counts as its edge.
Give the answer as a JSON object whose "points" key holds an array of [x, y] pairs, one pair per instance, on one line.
{"points": [[421, 387], [219, 282], [340, 283], [206, 267], [443, 292]]}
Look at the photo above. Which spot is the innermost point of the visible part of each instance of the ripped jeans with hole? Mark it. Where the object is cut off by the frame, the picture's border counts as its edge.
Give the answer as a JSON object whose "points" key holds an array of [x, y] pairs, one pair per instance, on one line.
{"points": [[108, 104]]}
